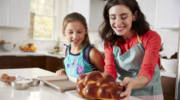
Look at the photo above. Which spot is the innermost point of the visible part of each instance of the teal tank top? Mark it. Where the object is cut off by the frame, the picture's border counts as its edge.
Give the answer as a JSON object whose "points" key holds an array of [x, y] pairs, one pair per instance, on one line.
{"points": [[75, 64]]}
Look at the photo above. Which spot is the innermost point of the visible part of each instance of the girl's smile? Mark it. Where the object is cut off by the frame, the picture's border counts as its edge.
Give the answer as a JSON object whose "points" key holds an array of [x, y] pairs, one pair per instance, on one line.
{"points": [[75, 33]]}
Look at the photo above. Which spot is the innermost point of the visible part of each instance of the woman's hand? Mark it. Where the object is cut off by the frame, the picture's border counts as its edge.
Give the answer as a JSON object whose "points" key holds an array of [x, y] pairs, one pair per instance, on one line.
{"points": [[128, 84], [132, 83], [61, 72]]}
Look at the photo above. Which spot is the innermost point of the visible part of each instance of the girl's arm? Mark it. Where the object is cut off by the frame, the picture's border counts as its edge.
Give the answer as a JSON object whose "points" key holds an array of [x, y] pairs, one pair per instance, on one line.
{"points": [[61, 72], [97, 59]]}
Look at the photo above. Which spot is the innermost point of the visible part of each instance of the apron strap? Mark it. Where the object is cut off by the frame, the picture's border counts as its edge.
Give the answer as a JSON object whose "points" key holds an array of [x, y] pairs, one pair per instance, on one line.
{"points": [[138, 37]]}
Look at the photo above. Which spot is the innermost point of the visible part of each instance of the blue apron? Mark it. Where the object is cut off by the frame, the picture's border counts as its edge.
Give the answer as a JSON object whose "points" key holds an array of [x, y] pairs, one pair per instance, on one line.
{"points": [[75, 65], [129, 64]]}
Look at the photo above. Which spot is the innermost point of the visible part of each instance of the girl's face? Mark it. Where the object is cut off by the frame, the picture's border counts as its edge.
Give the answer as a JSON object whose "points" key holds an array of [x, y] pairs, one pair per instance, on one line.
{"points": [[75, 33], [121, 19]]}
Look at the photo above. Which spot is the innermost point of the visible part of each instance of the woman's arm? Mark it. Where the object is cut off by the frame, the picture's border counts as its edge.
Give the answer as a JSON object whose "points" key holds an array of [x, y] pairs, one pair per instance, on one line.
{"points": [[97, 59], [110, 66], [151, 43]]}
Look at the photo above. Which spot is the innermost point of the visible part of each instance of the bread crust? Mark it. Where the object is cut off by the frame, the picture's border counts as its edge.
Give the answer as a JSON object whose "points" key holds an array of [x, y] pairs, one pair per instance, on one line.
{"points": [[97, 85]]}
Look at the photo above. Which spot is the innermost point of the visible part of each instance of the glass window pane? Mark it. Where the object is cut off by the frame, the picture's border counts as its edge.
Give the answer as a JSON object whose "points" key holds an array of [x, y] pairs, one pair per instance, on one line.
{"points": [[43, 27], [42, 7]]}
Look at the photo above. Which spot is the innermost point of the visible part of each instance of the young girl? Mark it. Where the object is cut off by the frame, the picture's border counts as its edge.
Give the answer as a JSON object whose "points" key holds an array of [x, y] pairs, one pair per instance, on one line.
{"points": [[131, 50], [80, 56]]}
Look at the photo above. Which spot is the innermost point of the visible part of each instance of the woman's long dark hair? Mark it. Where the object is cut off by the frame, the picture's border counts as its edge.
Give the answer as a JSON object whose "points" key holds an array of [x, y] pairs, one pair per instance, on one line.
{"points": [[140, 25]]}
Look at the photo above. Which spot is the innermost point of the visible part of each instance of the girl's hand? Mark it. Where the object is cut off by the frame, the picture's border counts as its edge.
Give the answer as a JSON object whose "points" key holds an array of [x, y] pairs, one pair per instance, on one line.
{"points": [[61, 72], [128, 84]]}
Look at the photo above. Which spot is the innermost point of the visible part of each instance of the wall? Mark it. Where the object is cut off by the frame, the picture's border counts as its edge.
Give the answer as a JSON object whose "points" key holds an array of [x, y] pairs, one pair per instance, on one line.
{"points": [[14, 35], [96, 14], [81, 6], [21, 37], [96, 41]]}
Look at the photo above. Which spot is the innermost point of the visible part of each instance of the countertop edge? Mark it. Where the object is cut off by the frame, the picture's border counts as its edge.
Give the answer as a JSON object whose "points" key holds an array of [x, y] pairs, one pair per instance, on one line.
{"points": [[37, 53]]}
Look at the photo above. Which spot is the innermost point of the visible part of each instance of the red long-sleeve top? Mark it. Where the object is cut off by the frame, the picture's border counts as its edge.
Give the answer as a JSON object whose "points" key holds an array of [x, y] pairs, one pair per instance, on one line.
{"points": [[151, 42]]}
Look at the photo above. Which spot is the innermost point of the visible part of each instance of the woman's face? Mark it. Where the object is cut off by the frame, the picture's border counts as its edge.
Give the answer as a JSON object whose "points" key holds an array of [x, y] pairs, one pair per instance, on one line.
{"points": [[121, 19], [75, 33]]}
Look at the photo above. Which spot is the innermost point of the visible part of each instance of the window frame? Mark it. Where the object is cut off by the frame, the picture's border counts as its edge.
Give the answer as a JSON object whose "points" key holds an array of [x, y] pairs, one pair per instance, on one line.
{"points": [[53, 16]]}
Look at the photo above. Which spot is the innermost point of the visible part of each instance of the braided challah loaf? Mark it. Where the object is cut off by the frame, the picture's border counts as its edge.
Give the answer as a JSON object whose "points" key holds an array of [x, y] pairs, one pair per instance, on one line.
{"points": [[97, 85]]}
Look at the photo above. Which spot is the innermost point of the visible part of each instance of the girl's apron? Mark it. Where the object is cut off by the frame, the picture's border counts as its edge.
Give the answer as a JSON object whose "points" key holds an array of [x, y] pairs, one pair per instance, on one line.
{"points": [[75, 65], [129, 64]]}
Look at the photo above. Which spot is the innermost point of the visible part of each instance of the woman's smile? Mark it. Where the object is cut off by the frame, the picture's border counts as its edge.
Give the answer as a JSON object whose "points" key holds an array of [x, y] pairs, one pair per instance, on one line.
{"points": [[121, 20]]}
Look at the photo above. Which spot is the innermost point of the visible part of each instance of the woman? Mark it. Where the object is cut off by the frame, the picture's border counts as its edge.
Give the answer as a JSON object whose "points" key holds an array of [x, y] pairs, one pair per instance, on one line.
{"points": [[131, 50]]}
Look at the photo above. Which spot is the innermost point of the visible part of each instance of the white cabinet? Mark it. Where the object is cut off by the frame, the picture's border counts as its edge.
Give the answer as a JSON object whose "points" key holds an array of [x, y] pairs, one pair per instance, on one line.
{"points": [[168, 13], [4, 12], [161, 13], [14, 13]]}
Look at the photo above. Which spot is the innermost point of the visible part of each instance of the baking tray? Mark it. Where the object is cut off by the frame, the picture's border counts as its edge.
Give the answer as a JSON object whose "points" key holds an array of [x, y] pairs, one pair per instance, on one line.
{"points": [[48, 78], [60, 83]]}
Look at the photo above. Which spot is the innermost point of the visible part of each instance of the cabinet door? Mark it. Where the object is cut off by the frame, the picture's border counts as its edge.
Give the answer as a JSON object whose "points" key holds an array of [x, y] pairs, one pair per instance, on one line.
{"points": [[53, 64], [4, 12], [19, 13], [37, 61], [161, 13], [168, 13], [14, 62], [14, 13]]}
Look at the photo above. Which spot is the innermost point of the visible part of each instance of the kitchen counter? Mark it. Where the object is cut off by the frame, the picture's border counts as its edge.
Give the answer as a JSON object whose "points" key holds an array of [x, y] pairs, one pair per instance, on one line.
{"points": [[41, 92], [167, 74], [58, 55], [37, 53]]}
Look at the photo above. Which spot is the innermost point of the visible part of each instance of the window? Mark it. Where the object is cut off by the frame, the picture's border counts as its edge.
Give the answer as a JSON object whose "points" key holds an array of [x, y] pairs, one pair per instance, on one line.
{"points": [[43, 19]]}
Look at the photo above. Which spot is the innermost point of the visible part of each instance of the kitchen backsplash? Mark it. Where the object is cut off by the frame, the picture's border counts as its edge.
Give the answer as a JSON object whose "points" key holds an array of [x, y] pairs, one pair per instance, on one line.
{"points": [[22, 36]]}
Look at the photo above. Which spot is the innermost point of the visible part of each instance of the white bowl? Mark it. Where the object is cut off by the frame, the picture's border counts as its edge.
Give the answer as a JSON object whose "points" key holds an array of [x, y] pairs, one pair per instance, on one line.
{"points": [[8, 47], [35, 82], [21, 84]]}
